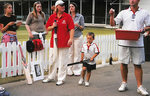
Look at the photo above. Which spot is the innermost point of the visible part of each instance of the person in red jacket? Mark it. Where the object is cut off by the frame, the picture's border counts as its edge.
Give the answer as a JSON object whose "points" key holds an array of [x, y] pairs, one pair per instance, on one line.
{"points": [[65, 33]]}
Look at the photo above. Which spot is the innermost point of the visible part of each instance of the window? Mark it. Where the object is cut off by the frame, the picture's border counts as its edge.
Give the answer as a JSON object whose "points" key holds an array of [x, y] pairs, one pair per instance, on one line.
{"points": [[87, 10]]}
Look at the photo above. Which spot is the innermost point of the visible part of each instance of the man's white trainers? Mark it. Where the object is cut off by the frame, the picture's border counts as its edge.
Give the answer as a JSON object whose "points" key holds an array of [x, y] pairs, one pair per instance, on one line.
{"points": [[142, 91], [46, 80], [123, 87], [87, 84], [81, 81]]}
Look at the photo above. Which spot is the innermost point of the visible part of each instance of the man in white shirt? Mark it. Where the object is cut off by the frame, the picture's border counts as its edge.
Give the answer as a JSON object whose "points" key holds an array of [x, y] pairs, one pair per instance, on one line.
{"points": [[133, 18]]}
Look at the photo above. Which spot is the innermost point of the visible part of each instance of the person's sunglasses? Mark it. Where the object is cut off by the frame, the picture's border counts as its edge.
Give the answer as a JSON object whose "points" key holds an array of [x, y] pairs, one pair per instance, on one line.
{"points": [[62, 5]]}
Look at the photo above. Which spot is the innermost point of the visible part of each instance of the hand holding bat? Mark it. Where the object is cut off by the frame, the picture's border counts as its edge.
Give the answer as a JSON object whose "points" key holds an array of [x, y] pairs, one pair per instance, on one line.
{"points": [[87, 61]]}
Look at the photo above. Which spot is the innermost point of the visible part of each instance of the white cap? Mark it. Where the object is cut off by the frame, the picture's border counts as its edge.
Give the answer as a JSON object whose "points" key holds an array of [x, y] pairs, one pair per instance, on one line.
{"points": [[58, 2]]}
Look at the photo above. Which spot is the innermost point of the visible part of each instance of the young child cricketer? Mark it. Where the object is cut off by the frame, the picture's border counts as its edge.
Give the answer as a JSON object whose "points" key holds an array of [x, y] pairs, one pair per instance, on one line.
{"points": [[89, 51]]}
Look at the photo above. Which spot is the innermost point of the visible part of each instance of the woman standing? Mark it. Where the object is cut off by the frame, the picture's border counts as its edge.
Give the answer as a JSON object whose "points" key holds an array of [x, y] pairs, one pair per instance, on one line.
{"points": [[35, 25], [65, 33], [9, 25], [35, 22], [74, 51]]}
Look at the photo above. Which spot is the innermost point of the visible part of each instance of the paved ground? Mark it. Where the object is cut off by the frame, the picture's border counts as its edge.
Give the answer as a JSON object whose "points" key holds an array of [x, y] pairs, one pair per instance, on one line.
{"points": [[104, 82]]}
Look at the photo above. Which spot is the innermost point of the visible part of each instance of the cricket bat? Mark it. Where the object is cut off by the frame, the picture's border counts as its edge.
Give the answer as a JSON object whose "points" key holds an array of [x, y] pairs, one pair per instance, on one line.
{"points": [[88, 60], [25, 67]]}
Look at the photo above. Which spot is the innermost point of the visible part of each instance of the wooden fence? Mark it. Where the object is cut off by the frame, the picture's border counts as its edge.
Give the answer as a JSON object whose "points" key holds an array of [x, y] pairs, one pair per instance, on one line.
{"points": [[11, 64]]}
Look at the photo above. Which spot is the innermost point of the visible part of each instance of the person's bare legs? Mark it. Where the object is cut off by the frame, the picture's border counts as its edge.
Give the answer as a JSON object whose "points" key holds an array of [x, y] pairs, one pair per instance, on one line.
{"points": [[83, 72], [82, 76], [138, 74], [88, 75], [139, 78], [124, 72]]}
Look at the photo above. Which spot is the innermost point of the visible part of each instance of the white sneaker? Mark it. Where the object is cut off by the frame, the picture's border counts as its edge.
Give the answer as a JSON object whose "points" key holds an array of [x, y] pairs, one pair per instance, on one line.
{"points": [[69, 71], [2, 90], [123, 87], [81, 81], [59, 83], [142, 91], [46, 80], [87, 84], [70, 74]]}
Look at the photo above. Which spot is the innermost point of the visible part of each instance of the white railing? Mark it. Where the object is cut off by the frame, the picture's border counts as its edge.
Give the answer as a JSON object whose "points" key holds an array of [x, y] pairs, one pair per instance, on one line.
{"points": [[11, 56]]}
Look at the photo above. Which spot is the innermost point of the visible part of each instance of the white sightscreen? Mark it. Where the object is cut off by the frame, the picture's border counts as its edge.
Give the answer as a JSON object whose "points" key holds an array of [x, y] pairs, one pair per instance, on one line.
{"points": [[145, 5]]}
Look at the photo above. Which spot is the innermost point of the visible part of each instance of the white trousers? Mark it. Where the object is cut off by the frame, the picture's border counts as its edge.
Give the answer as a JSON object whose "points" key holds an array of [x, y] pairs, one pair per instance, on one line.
{"points": [[60, 64], [75, 56]]}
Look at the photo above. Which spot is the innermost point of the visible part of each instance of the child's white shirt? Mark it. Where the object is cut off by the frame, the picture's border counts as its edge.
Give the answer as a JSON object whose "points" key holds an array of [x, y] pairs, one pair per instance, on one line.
{"points": [[89, 51]]}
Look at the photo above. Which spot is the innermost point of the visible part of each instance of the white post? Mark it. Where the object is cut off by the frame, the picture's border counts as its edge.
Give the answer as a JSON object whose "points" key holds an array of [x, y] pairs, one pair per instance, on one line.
{"points": [[46, 55], [19, 61], [13, 7], [106, 13], [93, 12], [119, 5], [29, 5], [48, 7], [3, 60], [68, 5], [9, 60], [14, 58], [80, 6], [29, 61], [51, 5]]}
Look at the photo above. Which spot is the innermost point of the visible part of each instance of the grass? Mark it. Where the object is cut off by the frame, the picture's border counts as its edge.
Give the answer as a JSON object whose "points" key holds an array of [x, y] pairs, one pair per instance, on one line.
{"points": [[11, 79], [22, 35], [98, 31]]}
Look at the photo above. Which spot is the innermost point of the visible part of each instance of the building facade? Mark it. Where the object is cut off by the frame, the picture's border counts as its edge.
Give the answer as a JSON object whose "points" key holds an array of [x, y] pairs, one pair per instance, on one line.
{"points": [[94, 11]]}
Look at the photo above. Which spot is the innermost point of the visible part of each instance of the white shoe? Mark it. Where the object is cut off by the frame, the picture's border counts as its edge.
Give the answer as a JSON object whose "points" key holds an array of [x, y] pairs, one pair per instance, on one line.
{"points": [[81, 81], [123, 87], [2, 90], [59, 83], [46, 80], [77, 74], [87, 84], [142, 91], [70, 74]]}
